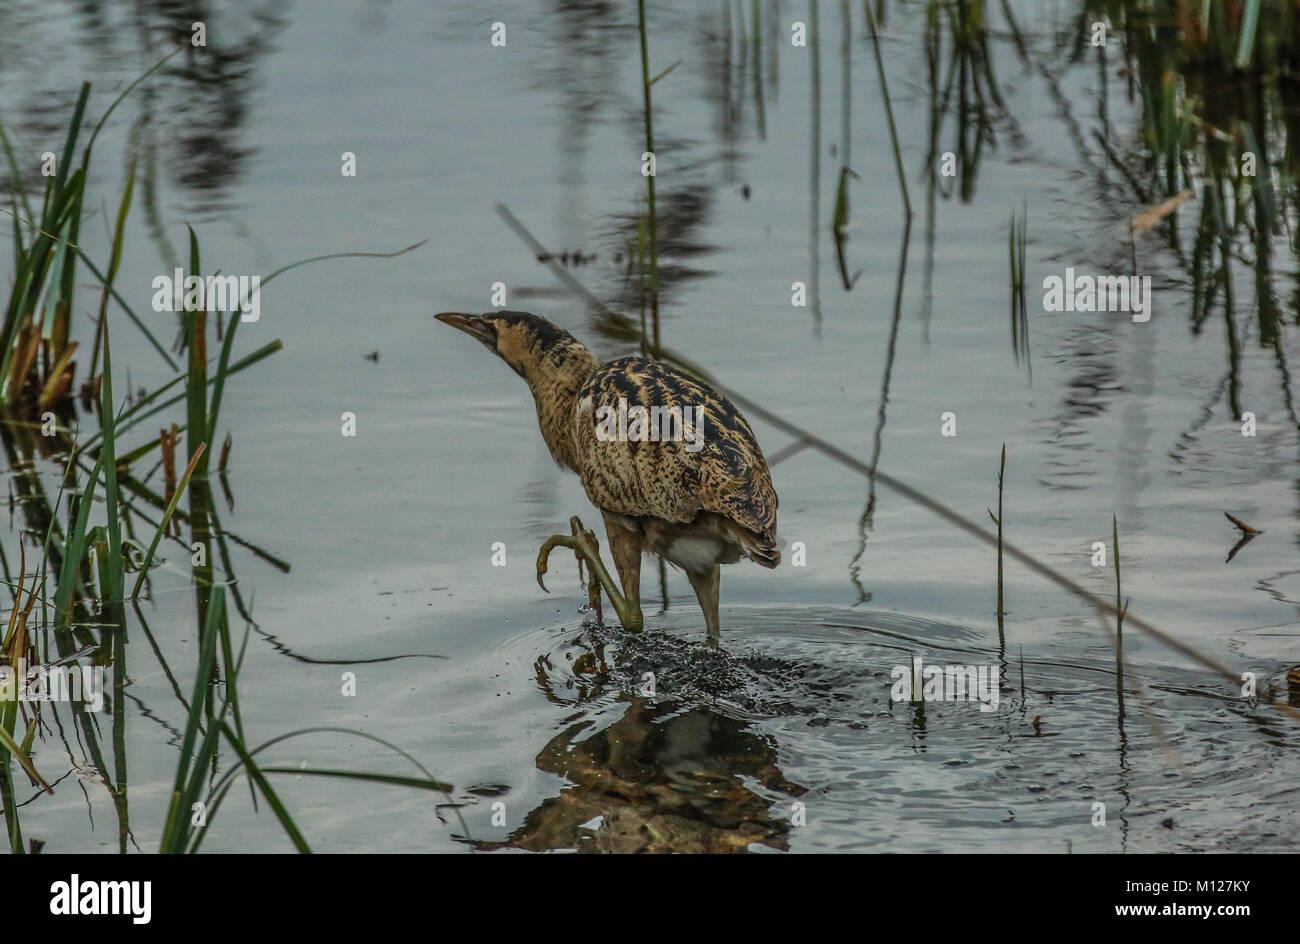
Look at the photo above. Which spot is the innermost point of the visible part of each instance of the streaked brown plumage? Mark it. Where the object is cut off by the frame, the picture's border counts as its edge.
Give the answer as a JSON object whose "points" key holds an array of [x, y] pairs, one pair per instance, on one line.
{"points": [[697, 509]]}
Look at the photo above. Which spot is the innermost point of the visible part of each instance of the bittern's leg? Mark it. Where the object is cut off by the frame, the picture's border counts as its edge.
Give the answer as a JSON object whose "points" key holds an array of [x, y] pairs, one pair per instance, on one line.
{"points": [[706, 591], [626, 547], [584, 546]]}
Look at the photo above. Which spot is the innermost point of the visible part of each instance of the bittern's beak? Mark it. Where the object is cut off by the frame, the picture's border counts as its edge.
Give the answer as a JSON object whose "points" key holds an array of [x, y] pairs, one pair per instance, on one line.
{"points": [[473, 325]]}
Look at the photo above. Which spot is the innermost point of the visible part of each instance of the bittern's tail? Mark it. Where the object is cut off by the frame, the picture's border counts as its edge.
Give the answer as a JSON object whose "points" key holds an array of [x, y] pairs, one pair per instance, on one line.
{"points": [[760, 548], [767, 555]]}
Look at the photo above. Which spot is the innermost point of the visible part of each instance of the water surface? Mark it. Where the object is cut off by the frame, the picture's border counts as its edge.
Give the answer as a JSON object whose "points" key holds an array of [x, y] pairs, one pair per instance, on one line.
{"points": [[512, 695]]}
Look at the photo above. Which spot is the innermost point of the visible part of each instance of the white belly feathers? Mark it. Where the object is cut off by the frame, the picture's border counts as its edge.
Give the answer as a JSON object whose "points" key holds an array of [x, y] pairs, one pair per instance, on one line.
{"points": [[697, 554]]}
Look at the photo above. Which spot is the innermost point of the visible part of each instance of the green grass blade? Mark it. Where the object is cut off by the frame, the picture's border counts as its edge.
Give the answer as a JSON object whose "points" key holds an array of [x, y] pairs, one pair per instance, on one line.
{"points": [[1246, 38], [115, 260], [115, 589], [223, 365], [166, 520], [130, 313], [74, 550], [138, 414], [196, 384], [175, 828], [124, 93], [392, 779], [69, 146], [15, 173], [255, 773], [7, 742]]}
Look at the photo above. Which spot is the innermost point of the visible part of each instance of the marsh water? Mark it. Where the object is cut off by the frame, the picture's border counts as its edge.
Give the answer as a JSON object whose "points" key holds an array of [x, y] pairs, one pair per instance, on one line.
{"points": [[785, 738]]}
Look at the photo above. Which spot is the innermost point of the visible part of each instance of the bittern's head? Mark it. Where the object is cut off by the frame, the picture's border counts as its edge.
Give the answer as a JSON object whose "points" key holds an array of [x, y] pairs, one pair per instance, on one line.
{"points": [[533, 347]]}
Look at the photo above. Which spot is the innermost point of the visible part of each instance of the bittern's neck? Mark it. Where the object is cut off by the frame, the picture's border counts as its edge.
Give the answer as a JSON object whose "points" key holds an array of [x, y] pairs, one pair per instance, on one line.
{"points": [[555, 389]]}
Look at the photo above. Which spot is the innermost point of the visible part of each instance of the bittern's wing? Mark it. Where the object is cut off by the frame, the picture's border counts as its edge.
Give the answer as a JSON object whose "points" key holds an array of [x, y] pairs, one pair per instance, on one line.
{"points": [[726, 475]]}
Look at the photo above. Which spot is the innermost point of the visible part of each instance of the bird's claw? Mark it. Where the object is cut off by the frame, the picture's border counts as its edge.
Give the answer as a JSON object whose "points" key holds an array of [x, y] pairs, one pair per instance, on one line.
{"points": [[586, 547], [575, 542], [554, 541]]}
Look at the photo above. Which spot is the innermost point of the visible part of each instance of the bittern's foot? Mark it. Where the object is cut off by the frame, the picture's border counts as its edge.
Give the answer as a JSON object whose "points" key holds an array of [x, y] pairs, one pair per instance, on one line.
{"points": [[586, 548]]}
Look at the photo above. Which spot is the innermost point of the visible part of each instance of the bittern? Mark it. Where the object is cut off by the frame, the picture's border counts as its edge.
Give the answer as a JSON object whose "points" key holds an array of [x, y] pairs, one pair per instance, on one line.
{"points": [[672, 465]]}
